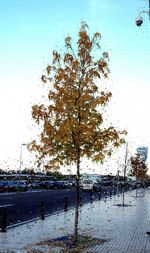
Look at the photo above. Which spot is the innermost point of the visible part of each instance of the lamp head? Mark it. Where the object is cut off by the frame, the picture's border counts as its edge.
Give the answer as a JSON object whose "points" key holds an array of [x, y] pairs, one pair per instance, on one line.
{"points": [[139, 21]]}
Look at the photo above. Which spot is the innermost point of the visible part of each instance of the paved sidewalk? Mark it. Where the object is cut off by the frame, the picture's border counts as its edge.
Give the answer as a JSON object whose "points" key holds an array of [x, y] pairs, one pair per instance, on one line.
{"points": [[123, 229]]}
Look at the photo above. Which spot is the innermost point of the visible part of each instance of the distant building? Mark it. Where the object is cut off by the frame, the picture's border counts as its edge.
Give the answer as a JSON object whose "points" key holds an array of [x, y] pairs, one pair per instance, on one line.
{"points": [[143, 152]]}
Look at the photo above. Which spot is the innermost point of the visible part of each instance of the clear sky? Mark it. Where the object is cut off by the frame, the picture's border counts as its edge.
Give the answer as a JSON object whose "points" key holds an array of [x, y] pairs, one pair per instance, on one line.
{"points": [[31, 29]]}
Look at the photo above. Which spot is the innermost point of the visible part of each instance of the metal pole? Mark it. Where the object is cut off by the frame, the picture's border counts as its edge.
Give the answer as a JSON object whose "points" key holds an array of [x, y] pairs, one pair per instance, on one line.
{"points": [[23, 144], [118, 184], [42, 210], [65, 204], [125, 165], [20, 158]]}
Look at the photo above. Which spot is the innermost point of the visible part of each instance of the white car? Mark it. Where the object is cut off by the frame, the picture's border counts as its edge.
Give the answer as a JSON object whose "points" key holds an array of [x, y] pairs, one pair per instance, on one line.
{"points": [[87, 184]]}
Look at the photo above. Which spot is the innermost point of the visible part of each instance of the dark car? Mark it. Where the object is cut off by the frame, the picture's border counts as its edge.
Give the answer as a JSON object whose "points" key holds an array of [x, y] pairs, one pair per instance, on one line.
{"points": [[60, 185], [3, 187], [47, 185], [21, 186], [107, 183], [34, 185], [97, 187], [12, 186]]}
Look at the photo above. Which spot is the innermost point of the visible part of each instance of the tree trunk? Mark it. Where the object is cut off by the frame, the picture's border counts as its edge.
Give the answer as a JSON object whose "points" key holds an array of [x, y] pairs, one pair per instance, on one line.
{"points": [[75, 237]]}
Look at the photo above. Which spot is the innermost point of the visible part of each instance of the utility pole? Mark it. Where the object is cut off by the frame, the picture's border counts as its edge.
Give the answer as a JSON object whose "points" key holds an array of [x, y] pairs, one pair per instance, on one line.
{"points": [[126, 160]]}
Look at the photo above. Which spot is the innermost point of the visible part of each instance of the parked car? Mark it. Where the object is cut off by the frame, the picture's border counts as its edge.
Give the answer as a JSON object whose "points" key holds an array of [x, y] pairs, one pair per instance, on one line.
{"points": [[97, 187], [87, 184], [68, 183], [12, 186], [107, 183], [60, 185], [72, 182], [34, 185], [3, 186], [21, 186], [47, 185]]}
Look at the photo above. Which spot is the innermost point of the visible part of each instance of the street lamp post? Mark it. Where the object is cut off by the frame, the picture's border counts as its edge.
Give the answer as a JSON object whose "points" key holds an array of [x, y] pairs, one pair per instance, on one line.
{"points": [[149, 9], [118, 179], [125, 164], [20, 163]]}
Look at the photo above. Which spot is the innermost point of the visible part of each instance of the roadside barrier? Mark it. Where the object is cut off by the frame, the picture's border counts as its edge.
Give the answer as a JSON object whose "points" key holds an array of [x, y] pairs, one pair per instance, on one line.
{"points": [[115, 191], [4, 220], [110, 192], [42, 210], [80, 199], [99, 195], [105, 193], [65, 204], [91, 196]]}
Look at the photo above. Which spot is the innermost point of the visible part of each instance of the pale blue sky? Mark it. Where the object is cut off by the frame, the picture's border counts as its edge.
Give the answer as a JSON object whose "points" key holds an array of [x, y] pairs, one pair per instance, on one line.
{"points": [[31, 29]]}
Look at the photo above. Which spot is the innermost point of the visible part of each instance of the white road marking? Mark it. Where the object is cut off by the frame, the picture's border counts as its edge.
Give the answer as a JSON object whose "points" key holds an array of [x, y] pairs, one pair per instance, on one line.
{"points": [[6, 205]]}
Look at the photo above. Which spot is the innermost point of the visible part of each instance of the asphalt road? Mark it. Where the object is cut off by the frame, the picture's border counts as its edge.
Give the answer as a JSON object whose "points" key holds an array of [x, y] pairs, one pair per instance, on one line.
{"points": [[24, 206]]}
